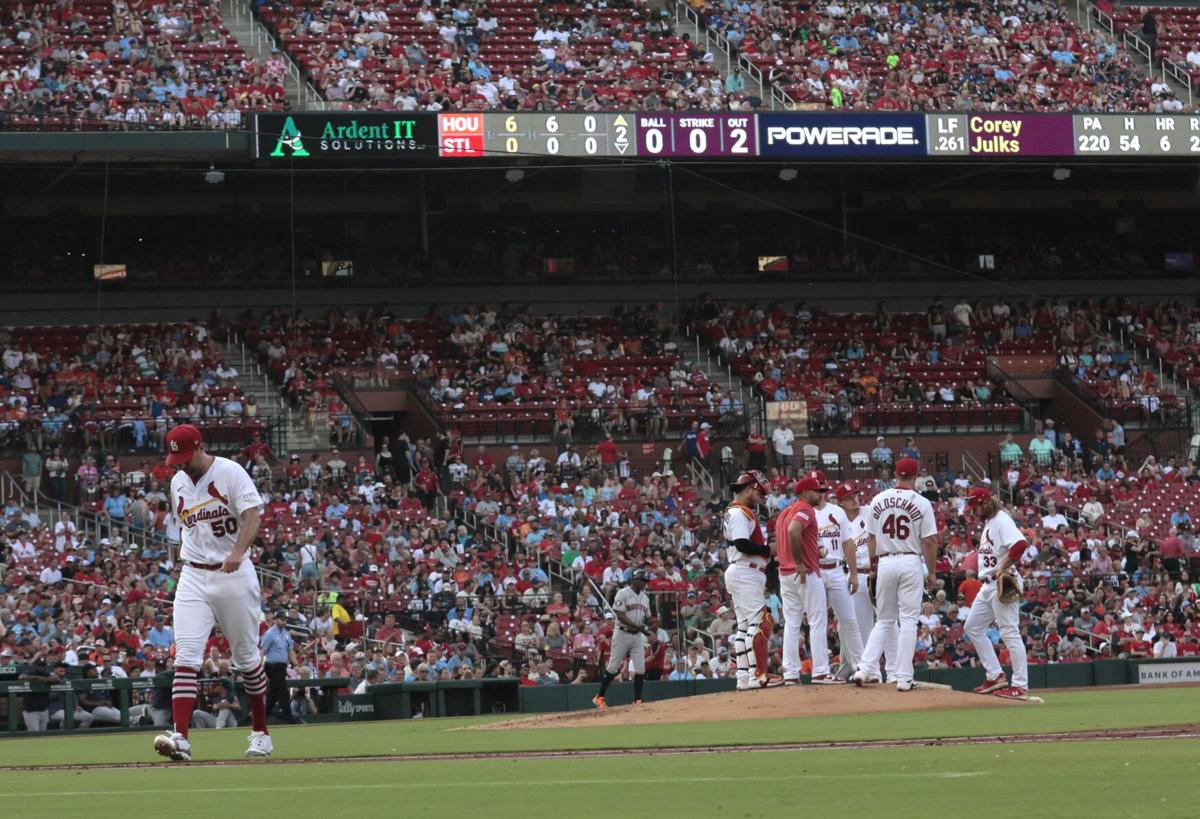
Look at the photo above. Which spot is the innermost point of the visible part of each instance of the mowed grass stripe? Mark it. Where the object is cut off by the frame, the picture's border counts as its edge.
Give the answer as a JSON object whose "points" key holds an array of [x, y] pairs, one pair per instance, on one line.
{"points": [[1029, 780], [1063, 712]]}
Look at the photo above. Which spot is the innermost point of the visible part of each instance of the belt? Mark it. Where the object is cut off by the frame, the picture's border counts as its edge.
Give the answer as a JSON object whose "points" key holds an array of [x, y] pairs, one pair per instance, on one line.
{"points": [[752, 566], [830, 564], [630, 630], [208, 567], [897, 554]]}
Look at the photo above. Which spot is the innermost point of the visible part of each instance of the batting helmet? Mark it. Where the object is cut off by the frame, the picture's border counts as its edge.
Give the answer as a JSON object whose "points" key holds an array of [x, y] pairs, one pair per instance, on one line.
{"points": [[753, 478], [640, 574]]}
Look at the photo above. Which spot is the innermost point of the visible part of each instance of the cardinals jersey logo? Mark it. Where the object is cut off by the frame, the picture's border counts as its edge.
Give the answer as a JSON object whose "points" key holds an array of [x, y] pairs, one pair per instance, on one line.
{"points": [[214, 493]]}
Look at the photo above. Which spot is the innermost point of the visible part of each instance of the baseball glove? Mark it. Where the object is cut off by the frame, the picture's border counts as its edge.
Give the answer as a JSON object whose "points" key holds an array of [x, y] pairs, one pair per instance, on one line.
{"points": [[772, 576], [871, 587], [1009, 590]]}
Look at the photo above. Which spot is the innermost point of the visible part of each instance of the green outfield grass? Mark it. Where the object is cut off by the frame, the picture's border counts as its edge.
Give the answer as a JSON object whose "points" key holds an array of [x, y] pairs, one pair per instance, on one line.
{"points": [[1110, 779], [1064, 711]]}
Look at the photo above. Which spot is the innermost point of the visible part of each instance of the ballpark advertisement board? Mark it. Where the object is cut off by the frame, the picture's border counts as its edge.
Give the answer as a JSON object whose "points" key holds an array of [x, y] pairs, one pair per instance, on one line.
{"points": [[1168, 672], [304, 136], [778, 135], [786, 135]]}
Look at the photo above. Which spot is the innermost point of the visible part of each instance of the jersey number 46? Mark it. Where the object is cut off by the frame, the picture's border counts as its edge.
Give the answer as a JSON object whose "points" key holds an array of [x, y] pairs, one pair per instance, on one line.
{"points": [[897, 527]]}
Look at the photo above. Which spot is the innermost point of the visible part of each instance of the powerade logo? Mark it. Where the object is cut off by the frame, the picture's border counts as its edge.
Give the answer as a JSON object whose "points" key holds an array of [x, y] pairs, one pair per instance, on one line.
{"points": [[313, 135], [838, 135]]}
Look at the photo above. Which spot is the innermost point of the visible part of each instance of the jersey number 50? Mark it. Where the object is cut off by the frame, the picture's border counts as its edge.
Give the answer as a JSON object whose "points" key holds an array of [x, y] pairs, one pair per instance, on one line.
{"points": [[896, 527], [224, 526]]}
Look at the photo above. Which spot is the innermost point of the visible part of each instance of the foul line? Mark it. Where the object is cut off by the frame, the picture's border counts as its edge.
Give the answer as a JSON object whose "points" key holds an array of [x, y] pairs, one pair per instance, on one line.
{"points": [[666, 780], [1175, 732]]}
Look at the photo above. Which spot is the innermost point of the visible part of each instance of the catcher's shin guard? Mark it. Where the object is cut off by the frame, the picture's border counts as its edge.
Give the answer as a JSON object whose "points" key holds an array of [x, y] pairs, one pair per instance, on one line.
{"points": [[762, 636]]}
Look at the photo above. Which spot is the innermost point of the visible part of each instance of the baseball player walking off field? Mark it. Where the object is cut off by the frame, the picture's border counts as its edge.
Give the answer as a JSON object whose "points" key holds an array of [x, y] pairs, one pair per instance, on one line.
{"points": [[1000, 546], [800, 586], [748, 554], [900, 526], [631, 606], [839, 576], [864, 608], [217, 507]]}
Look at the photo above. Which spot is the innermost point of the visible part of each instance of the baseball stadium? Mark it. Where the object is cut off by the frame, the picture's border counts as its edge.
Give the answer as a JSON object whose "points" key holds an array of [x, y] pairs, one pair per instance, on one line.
{"points": [[668, 407]]}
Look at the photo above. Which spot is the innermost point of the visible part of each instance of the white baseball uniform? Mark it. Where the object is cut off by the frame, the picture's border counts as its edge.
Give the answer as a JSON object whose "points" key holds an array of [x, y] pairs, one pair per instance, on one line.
{"points": [[999, 535], [629, 644], [864, 609], [746, 582], [833, 532], [208, 512], [898, 519]]}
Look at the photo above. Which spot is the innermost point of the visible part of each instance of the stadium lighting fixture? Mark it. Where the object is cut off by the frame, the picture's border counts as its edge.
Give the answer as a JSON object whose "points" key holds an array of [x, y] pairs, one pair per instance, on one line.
{"points": [[1061, 174], [212, 176], [787, 174]]}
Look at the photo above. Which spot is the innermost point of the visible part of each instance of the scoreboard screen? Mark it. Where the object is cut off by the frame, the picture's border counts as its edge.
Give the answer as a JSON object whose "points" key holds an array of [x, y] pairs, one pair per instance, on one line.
{"points": [[598, 134], [1130, 135], [697, 135], [781, 135]]}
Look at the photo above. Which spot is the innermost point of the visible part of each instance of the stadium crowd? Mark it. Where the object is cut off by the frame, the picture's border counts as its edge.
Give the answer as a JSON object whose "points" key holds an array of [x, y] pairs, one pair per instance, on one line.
{"points": [[123, 64], [129, 63], [427, 559]]}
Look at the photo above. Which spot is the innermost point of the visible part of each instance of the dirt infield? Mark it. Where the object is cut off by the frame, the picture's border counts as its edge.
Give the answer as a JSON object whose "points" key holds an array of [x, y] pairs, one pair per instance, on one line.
{"points": [[773, 703]]}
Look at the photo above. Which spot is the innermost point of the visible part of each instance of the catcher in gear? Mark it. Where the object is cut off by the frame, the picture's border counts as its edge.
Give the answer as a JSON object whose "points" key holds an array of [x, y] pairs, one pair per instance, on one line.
{"points": [[1001, 545], [748, 554]]}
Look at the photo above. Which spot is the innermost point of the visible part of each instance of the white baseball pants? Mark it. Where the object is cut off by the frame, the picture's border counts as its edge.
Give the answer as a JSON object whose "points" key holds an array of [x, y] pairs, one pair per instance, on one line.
{"points": [[898, 586], [1007, 616], [231, 601], [864, 613], [837, 592], [748, 589], [800, 599]]}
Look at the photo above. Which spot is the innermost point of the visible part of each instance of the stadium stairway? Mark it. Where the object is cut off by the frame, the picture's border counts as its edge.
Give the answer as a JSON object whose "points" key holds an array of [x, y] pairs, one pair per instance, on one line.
{"points": [[295, 435], [259, 44]]}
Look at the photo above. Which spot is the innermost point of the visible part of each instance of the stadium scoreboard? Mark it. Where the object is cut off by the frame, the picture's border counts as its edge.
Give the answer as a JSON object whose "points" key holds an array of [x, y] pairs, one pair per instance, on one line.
{"points": [[777, 135]]}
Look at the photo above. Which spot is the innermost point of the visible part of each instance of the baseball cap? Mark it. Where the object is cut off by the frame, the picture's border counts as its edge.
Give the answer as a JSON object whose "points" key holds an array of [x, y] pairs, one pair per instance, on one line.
{"points": [[977, 496], [810, 484], [907, 468], [181, 444], [819, 476], [844, 490]]}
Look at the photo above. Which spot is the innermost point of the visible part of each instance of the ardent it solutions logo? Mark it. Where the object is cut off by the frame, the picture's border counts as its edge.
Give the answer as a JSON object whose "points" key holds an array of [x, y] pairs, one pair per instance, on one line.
{"points": [[355, 136], [289, 137]]}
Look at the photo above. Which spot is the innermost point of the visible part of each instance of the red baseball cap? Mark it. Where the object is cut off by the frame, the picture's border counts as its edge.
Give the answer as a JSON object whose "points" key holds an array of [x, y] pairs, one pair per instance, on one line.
{"points": [[907, 468], [844, 490], [181, 444], [810, 484], [819, 476], [977, 496]]}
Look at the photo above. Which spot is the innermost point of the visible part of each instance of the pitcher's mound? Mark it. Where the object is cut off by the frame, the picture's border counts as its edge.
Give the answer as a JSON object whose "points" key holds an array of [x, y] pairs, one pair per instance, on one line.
{"points": [[770, 703]]}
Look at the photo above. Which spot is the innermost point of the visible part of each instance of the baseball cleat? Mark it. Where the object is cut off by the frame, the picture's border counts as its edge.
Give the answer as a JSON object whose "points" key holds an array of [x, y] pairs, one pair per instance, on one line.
{"points": [[861, 678], [768, 680], [826, 679], [1013, 693], [844, 672], [791, 682], [599, 702], [260, 744], [744, 684], [905, 686], [992, 685], [174, 747], [637, 702]]}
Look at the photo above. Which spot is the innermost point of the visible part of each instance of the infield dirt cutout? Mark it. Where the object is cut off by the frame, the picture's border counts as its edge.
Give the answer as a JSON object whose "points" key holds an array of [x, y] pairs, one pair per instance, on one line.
{"points": [[770, 703]]}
